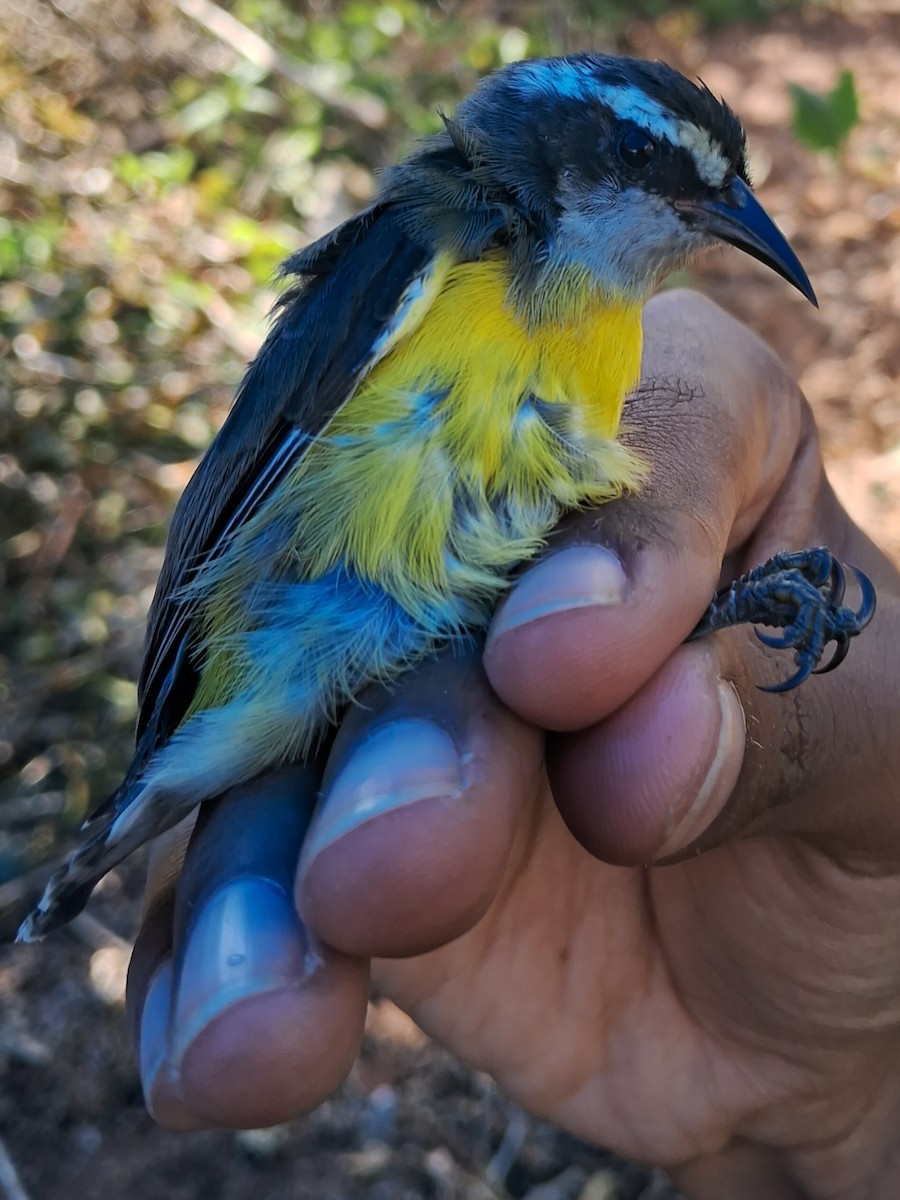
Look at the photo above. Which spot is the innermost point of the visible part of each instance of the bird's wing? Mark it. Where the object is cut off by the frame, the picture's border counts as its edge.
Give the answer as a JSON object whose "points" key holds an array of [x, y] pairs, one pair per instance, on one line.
{"points": [[363, 288]]}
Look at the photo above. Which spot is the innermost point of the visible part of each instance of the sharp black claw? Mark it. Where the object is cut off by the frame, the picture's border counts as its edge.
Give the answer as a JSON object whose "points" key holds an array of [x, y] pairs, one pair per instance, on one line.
{"points": [[842, 645], [788, 685], [800, 596], [866, 610], [777, 643], [838, 583]]}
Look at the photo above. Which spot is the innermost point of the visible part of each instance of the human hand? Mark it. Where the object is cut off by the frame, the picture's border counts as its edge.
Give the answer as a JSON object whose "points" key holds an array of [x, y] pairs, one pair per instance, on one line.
{"points": [[733, 1015]]}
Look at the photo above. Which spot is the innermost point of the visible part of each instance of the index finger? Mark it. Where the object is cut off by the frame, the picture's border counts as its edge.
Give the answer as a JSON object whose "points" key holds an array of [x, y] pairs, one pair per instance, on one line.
{"points": [[718, 420]]}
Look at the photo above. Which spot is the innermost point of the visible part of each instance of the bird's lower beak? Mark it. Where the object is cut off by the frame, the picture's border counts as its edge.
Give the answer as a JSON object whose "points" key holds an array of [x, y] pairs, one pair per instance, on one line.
{"points": [[739, 219]]}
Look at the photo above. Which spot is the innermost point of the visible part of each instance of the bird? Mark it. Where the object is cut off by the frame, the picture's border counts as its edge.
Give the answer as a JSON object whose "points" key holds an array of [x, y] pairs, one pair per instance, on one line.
{"points": [[443, 380]]}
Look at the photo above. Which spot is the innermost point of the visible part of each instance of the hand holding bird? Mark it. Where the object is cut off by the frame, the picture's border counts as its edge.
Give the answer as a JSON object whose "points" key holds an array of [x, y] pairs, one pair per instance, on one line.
{"points": [[444, 384], [712, 1016]]}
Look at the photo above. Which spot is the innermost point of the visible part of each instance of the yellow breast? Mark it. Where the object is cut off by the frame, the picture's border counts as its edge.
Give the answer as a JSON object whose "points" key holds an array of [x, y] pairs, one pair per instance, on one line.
{"points": [[474, 342], [465, 442], [447, 467], [457, 408]]}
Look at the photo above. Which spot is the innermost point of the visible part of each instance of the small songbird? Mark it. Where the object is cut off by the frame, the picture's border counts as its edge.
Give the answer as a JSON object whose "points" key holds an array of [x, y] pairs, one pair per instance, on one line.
{"points": [[444, 380]]}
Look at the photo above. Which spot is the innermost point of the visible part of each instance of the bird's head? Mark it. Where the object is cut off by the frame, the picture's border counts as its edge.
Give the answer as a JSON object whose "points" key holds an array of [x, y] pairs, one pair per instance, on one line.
{"points": [[618, 168]]}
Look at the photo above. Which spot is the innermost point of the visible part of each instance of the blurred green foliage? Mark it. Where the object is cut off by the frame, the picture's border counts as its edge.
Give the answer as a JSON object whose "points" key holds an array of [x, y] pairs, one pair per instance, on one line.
{"points": [[825, 122]]}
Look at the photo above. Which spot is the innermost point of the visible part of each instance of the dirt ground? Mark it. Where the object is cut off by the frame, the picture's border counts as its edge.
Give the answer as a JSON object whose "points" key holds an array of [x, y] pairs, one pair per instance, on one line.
{"points": [[410, 1123]]}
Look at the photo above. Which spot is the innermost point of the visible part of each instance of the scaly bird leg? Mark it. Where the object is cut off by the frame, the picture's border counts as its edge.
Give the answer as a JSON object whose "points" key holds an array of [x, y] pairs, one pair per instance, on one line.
{"points": [[801, 593]]}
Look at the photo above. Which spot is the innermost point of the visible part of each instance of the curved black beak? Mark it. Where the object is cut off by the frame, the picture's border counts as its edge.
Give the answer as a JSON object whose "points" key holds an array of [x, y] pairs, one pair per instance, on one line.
{"points": [[738, 218]]}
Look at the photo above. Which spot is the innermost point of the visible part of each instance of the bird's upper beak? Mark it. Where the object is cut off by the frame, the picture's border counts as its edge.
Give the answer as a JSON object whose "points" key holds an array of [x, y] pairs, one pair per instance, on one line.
{"points": [[738, 217]]}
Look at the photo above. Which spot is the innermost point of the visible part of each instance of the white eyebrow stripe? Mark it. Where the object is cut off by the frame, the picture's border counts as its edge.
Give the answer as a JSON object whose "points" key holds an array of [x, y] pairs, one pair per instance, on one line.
{"points": [[574, 81], [712, 166]]}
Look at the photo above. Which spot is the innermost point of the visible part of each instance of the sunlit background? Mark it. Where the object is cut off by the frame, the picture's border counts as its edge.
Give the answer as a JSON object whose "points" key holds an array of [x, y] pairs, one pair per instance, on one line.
{"points": [[157, 161]]}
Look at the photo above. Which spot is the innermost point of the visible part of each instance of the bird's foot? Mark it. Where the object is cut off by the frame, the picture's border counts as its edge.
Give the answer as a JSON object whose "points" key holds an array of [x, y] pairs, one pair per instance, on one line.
{"points": [[802, 594]]}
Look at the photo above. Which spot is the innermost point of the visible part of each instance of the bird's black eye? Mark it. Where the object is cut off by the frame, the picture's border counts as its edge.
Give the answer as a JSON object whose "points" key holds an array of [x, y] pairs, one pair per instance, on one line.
{"points": [[637, 149]]}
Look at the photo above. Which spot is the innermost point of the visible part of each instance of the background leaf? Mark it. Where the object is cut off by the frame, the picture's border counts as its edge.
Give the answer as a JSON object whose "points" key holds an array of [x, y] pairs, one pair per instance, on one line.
{"points": [[824, 122]]}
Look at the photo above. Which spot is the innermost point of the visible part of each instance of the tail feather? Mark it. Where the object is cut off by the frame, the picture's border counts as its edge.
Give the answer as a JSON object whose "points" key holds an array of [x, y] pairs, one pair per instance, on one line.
{"points": [[105, 810], [69, 887], [62, 900], [140, 814]]}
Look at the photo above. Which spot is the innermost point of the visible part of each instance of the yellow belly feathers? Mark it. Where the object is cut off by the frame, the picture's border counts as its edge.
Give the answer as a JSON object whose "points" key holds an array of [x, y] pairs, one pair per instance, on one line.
{"points": [[449, 464]]}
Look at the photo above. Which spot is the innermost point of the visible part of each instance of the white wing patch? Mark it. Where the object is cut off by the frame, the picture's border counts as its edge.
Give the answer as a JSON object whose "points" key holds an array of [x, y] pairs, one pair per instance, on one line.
{"points": [[414, 303], [712, 166]]}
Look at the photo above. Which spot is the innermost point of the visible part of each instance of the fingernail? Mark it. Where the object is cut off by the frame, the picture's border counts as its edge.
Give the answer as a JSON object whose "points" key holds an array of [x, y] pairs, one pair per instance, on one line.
{"points": [[580, 577], [398, 764], [161, 1086], [247, 940], [720, 778], [153, 1047]]}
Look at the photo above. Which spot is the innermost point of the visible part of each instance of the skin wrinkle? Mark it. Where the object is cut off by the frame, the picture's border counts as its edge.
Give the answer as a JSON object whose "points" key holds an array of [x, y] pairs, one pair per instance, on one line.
{"points": [[514, 1053], [653, 441], [574, 899], [799, 752], [656, 445], [779, 402], [841, 1155], [705, 1138], [698, 507], [840, 900], [672, 389], [656, 932], [735, 1028]]}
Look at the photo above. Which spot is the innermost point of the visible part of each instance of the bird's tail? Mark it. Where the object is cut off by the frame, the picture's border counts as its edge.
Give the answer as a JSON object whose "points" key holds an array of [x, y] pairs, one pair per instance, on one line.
{"points": [[133, 815]]}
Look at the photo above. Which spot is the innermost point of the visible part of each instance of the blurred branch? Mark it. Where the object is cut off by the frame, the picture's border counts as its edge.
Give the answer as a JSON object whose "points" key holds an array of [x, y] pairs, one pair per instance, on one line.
{"points": [[36, 685], [66, 367], [367, 110], [10, 1183]]}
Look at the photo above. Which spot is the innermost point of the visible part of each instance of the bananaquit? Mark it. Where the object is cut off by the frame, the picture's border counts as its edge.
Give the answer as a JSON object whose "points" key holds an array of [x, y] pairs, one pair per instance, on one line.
{"points": [[443, 381]]}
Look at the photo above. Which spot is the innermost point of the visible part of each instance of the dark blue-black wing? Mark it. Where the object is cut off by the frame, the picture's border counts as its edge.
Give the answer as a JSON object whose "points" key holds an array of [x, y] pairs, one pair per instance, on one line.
{"points": [[319, 348]]}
